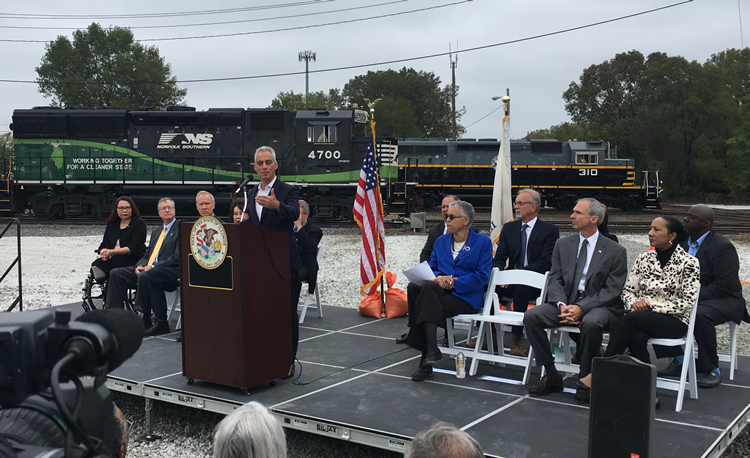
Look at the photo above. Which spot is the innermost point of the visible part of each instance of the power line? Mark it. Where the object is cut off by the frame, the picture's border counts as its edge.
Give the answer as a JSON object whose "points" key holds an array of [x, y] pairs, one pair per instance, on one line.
{"points": [[68, 17], [201, 24], [408, 59], [350, 21]]}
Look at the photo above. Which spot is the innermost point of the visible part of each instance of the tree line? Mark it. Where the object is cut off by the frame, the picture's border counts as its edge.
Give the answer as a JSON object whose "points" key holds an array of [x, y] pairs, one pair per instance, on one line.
{"points": [[690, 121]]}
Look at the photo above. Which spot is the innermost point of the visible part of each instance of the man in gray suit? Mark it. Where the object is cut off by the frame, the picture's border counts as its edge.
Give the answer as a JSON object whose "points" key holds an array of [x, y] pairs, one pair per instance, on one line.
{"points": [[157, 271], [585, 282]]}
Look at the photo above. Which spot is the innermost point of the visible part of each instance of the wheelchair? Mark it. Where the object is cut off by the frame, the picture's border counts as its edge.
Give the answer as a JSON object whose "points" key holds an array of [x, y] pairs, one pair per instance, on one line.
{"points": [[93, 294]]}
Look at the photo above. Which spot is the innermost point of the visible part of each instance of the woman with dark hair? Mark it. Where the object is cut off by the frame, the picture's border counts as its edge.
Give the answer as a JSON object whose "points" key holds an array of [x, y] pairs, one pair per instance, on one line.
{"points": [[659, 294], [124, 239], [235, 211]]}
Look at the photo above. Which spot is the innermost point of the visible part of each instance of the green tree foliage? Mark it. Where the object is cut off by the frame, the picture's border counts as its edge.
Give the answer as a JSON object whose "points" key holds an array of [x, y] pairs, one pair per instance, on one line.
{"points": [[291, 101], [431, 104], [565, 131], [395, 118], [106, 67], [738, 178], [6, 145], [667, 113]]}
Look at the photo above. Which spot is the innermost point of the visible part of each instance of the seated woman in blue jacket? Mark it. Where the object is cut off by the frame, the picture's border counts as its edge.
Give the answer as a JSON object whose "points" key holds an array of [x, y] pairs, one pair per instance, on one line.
{"points": [[461, 261]]}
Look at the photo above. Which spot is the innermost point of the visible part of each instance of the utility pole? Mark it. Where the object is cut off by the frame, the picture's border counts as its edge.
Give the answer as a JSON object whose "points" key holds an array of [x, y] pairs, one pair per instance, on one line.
{"points": [[454, 64], [307, 56]]}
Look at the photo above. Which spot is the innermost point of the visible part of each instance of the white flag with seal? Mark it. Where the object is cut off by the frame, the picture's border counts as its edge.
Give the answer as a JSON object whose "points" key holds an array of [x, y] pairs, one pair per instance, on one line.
{"points": [[502, 204]]}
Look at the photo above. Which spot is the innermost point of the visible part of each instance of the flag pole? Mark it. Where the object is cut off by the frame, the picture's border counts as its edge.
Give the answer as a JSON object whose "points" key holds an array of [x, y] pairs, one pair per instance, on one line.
{"points": [[502, 206], [377, 174]]}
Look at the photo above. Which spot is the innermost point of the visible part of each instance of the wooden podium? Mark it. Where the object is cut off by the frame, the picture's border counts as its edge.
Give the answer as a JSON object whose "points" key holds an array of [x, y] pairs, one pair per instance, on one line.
{"points": [[236, 323]]}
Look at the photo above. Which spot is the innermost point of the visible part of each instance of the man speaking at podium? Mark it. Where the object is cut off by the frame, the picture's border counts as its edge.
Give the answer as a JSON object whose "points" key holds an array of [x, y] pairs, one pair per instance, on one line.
{"points": [[277, 208]]}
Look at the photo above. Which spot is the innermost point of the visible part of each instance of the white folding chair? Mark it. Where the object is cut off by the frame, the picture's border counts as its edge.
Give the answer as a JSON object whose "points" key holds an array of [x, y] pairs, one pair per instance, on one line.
{"points": [[502, 317], [465, 321], [174, 306], [688, 378], [731, 357], [306, 303]]}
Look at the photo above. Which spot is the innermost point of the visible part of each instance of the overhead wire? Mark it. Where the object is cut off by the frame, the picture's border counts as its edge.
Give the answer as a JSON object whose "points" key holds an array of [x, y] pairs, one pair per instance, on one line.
{"points": [[394, 61]]}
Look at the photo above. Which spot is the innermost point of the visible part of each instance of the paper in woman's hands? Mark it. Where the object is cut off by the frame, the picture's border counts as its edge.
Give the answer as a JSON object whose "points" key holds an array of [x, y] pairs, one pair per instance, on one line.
{"points": [[420, 274]]}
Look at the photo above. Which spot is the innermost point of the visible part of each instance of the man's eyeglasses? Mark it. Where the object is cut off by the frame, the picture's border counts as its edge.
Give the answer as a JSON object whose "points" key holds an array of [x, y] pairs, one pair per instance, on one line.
{"points": [[452, 217], [518, 204], [166, 208]]}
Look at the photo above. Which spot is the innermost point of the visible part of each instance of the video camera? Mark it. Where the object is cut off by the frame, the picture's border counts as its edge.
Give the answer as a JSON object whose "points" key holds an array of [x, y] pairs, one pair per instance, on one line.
{"points": [[53, 401]]}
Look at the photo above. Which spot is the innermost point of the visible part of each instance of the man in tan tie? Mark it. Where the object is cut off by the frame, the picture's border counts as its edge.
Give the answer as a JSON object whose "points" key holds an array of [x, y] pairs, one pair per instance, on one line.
{"points": [[156, 272]]}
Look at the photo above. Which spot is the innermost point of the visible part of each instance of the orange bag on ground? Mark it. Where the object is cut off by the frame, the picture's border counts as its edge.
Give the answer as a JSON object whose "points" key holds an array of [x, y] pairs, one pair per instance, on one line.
{"points": [[396, 304], [371, 305]]}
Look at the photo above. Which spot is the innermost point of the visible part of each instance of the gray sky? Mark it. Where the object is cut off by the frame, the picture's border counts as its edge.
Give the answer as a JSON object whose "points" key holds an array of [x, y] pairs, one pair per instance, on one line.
{"points": [[536, 71]]}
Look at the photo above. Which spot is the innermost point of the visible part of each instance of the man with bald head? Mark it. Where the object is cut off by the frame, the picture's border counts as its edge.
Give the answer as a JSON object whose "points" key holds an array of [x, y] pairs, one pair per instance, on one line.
{"points": [[720, 299]]}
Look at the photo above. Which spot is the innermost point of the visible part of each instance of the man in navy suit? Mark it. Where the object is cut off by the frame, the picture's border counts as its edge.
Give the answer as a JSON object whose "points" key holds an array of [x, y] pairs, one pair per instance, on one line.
{"points": [[276, 206], [720, 298], [156, 272], [525, 243]]}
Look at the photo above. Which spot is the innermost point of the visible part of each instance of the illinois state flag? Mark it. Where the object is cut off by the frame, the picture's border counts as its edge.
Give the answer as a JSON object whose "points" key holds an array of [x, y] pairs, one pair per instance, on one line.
{"points": [[368, 213], [502, 205]]}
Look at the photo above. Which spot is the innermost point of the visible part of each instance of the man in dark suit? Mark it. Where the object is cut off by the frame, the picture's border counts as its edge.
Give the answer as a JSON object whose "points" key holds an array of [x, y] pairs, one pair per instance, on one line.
{"points": [[308, 237], [276, 206], [586, 279], [720, 298], [525, 243], [437, 230], [156, 272]]}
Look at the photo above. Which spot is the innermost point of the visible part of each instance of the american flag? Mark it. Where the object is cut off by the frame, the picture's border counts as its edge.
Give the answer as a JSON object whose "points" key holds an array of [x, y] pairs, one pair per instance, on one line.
{"points": [[368, 212]]}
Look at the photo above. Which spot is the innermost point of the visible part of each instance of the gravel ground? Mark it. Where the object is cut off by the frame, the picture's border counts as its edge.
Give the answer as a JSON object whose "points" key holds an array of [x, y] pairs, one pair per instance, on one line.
{"points": [[67, 251]]}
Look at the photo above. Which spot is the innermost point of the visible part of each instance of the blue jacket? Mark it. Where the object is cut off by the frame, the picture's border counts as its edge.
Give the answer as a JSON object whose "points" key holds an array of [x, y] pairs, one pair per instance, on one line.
{"points": [[471, 268]]}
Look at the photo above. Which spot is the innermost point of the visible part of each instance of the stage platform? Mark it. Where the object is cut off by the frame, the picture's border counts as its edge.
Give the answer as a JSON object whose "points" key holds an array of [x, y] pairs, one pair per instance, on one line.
{"points": [[355, 386]]}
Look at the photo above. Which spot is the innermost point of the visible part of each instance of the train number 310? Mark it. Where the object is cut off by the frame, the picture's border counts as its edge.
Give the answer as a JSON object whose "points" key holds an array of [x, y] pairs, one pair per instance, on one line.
{"points": [[589, 172], [324, 154]]}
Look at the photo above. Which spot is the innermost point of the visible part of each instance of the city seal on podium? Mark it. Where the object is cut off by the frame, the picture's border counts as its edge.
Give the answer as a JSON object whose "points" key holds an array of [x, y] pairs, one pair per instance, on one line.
{"points": [[208, 242]]}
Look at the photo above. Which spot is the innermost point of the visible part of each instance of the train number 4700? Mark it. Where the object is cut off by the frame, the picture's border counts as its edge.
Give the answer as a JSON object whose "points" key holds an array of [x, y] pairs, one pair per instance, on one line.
{"points": [[324, 154], [590, 172]]}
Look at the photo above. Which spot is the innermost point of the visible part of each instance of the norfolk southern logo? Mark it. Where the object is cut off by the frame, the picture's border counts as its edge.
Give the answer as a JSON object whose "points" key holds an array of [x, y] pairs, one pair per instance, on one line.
{"points": [[185, 141]]}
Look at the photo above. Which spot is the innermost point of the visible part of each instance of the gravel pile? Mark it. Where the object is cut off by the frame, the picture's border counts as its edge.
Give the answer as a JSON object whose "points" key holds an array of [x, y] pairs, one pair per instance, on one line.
{"points": [[56, 259]]}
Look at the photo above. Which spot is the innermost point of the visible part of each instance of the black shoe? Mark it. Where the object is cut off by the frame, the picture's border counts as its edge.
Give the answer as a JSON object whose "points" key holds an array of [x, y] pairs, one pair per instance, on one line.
{"points": [[658, 404], [402, 339], [673, 370], [422, 373], [159, 328], [432, 358], [710, 379], [583, 393], [179, 337], [546, 386]]}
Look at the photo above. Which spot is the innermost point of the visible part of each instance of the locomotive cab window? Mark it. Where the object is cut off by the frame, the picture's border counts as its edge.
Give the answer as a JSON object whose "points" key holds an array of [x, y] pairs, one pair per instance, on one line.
{"points": [[586, 158], [321, 134]]}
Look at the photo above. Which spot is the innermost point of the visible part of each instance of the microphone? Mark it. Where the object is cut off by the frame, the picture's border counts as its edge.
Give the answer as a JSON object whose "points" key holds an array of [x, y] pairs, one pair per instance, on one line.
{"points": [[124, 327], [243, 185]]}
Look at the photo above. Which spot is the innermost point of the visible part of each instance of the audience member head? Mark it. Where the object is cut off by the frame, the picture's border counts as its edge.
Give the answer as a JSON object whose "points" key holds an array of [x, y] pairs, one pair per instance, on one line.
{"points": [[527, 204], [121, 433], [603, 226], [265, 164], [665, 232], [205, 203], [587, 214], [698, 220], [443, 441], [447, 201], [460, 216], [235, 211], [166, 209], [124, 210], [304, 212], [250, 432]]}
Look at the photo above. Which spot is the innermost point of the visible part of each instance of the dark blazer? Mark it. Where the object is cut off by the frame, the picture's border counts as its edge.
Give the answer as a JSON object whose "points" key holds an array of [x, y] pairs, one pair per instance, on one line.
{"points": [[308, 239], [281, 220], [133, 237], [169, 253], [471, 268], [436, 231], [605, 278], [539, 248], [720, 277]]}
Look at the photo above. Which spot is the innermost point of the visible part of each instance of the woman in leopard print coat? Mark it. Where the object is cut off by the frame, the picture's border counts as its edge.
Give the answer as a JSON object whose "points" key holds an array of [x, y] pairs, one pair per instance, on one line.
{"points": [[660, 292]]}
